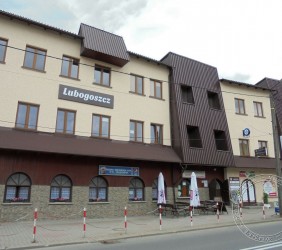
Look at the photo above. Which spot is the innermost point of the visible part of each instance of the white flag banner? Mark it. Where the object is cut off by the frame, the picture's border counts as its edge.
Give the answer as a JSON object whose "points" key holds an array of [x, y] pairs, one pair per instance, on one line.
{"points": [[194, 192], [161, 189]]}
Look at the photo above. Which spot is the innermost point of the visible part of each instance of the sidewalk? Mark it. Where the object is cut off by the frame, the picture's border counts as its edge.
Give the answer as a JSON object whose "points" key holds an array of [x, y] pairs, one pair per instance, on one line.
{"points": [[18, 235]]}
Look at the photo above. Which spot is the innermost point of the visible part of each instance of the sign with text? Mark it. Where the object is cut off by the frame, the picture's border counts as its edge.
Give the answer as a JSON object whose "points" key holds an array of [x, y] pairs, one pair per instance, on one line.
{"points": [[118, 171], [85, 96], [199, 174]]}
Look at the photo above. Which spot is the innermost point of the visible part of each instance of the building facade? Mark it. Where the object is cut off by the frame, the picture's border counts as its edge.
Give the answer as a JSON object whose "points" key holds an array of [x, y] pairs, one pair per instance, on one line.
{"points": [[249, 118], [84, 123], [200, 133]]}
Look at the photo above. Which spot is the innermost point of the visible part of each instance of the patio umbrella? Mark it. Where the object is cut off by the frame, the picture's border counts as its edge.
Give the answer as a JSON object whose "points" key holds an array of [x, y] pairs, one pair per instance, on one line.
{"points": [[194, 192], [161, 189]]}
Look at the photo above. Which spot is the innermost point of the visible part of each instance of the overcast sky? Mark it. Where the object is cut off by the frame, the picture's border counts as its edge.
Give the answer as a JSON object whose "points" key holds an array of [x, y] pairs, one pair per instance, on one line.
{"points": [[241, 38]]}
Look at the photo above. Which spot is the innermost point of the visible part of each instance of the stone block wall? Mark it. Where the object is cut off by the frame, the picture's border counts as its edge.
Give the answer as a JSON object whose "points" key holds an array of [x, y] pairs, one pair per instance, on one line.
{"points": [[117, 200]]}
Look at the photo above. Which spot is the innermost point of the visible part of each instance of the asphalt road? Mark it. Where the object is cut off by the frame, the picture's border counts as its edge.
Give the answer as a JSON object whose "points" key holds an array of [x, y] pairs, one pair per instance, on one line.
{"points": [[226, 238]]}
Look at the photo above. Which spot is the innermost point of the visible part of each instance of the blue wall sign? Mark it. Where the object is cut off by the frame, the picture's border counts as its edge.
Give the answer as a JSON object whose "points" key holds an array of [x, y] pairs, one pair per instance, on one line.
{"points": [[118, 171], [246, 132]]}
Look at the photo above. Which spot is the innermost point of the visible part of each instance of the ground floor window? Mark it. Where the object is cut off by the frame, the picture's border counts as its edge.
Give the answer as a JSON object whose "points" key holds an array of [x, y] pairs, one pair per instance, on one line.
{"points": [[98, 189], [136, 189], [17, 188], [61, 189]]}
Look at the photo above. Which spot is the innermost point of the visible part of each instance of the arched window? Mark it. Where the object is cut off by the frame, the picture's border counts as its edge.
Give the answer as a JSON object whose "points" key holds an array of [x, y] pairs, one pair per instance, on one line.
{"points": [[184, 188], [17, 188], [98, 189], [61, 188], [136, 189], [155, 190]]}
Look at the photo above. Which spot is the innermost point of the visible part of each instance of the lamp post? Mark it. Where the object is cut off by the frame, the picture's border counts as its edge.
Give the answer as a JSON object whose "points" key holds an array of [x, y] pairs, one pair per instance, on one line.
{"points": [[277, 152]]}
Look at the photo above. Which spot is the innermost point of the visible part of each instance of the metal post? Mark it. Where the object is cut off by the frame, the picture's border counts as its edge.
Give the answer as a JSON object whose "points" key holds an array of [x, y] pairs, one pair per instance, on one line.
{"points": [[277, 151]]}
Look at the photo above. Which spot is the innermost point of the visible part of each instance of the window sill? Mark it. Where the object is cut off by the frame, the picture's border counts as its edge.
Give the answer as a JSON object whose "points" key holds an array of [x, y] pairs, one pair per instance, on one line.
{"points": [[16, 203], [135, 93], [215, 109], [36, 70], [3, 62], [189, 103], [60, 203], [263, 117], [241, 114], [131, 202], [196, 148], [157, 98], [98, 202], [26, 129], [68, 77], [101, 85], [184, 198], [100, 138]]}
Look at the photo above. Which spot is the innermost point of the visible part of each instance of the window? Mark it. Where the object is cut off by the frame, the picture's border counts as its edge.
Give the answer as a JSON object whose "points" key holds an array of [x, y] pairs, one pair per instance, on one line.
{"points": [[156, 89], [194, 137], [258, 109], [187, 94], [98, 189], [220, 140], [240, 106], [17, 188], [27, 116], [263, 144], [34, 58], [70, 67], [244, 147], [136, 190], [183, 188], [101, 126], [156, 134], [155, 190], [136, 84], [213, 100], [136, 131], [61, 188], [65, 121], [102, 76], [3, 49]]}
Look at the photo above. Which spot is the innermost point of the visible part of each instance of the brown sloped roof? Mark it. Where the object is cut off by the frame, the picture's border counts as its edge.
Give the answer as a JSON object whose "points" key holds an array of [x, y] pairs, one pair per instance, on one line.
{"points": [[42, 25], [103, 46], [14, 139]]}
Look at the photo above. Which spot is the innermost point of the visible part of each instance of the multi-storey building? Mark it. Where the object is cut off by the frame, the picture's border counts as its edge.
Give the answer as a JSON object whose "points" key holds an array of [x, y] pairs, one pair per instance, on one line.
{"points": [[84, 122], [200, 133], [249, 118]]}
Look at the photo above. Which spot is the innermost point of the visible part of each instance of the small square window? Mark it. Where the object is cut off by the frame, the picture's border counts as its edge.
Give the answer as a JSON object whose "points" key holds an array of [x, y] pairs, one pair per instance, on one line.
{"points": [[136, 84], [240, 106], [70, 67], [187, 94], [3, 49], [258, 109], [194, 137], [27, 116], [65, 121], [213, 100], [102, 76], [34, 58], [220, 140]]}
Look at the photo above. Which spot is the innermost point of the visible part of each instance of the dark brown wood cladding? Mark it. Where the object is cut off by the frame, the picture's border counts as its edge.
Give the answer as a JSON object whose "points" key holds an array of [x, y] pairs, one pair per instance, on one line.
{"points": [[42, 168], [109, 47], [201, 78], [84, 146]]}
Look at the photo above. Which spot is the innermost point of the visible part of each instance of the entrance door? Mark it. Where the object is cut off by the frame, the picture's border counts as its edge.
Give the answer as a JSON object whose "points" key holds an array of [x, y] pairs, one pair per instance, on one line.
{"points": [[248, 192]]}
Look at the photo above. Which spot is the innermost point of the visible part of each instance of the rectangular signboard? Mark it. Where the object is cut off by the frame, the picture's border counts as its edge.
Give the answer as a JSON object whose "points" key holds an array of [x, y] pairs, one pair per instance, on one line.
{"points": [[118, 170], [199, 174], [85, 96]]}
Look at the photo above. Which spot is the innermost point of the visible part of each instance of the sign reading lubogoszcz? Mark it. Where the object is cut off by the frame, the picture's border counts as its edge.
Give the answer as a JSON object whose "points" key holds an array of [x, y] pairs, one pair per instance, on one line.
{"points": [[85, 96], [117, 170]]}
